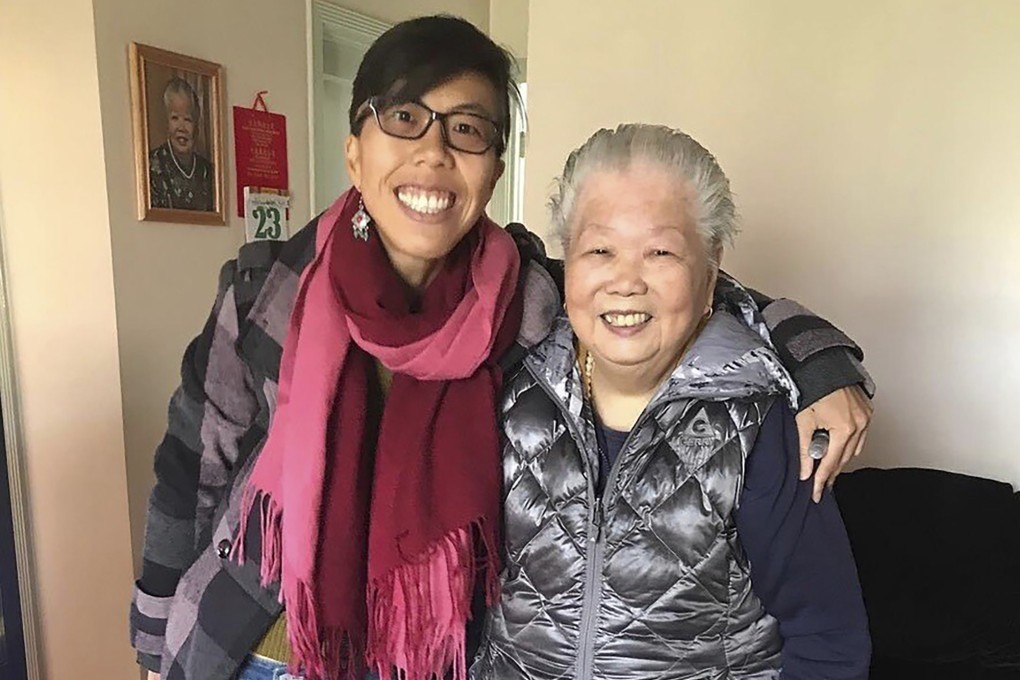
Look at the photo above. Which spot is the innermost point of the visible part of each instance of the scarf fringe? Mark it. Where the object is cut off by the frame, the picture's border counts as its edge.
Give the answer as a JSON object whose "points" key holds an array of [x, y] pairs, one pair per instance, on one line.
{"points": [[320, 653], [411, 631], [317, 654], [270, 532]]}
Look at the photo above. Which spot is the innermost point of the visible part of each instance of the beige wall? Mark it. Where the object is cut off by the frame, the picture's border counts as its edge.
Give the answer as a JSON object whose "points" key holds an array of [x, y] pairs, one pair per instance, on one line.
{"points": [[874, 150], [392, 11], [165, 274], [58, 257], [508, 26]]}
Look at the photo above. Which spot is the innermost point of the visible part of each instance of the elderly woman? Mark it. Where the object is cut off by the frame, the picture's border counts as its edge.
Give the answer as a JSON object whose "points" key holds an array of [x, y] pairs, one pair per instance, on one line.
{"points": [[655, 523], [328, 490], [179, 176]]}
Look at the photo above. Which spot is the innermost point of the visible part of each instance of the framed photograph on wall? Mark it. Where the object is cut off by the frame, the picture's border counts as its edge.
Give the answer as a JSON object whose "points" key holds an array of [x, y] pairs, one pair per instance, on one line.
{"points": [[177, 112]]}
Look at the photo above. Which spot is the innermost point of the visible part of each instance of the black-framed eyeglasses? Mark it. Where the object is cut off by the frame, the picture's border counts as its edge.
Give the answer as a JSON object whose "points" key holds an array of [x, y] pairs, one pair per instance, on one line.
{"points": [[463, 131]]}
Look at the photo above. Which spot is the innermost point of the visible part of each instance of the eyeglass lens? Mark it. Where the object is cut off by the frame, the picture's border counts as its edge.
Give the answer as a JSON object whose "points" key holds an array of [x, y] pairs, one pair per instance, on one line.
{"points": [[464, 131]]}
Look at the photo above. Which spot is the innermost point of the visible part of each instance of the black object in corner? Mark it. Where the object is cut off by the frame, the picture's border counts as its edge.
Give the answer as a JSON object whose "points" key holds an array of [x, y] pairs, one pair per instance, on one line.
{"points": [[12, 637]]}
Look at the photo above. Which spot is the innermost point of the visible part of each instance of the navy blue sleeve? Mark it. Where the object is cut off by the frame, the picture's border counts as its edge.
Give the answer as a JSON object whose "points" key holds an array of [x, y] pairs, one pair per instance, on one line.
{"points": [[802, 568]]}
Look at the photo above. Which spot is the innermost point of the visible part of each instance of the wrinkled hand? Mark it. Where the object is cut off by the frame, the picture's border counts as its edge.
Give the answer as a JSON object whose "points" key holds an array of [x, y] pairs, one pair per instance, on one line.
{"points": [[846, 414]]}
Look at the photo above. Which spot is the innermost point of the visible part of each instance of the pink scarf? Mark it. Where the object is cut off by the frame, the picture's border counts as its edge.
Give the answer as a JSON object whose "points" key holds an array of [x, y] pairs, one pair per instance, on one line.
{"points": [[378, 542]]}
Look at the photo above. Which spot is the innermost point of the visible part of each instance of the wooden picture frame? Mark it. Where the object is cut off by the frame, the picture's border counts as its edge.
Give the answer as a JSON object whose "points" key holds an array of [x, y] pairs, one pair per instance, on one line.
{"points": [[177, 115]]}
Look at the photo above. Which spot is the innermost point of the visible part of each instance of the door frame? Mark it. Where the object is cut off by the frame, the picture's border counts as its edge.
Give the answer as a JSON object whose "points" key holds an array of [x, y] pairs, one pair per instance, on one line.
{"points": [[343, 24]]}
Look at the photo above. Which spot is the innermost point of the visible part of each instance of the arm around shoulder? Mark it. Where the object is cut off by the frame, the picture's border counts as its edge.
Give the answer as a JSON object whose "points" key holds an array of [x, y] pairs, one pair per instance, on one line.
{"points": [[820, 356]]}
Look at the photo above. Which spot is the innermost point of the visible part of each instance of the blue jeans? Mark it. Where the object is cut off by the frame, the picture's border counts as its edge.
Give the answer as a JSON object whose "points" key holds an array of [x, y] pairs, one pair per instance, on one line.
{"points": [[261, 668]]}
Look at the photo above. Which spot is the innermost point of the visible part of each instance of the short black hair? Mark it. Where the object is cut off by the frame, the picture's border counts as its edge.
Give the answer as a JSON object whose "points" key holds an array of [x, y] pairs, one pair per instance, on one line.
{"points": [[420, 54]]}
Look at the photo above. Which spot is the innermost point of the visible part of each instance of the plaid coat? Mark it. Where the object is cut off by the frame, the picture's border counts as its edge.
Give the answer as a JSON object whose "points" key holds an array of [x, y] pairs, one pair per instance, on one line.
{"points": [[196, 614]]}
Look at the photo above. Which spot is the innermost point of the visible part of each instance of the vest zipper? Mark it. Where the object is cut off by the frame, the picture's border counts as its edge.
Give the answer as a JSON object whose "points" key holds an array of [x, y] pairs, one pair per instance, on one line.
{"points": [[595, 548], [592, 581], [596, 557]]}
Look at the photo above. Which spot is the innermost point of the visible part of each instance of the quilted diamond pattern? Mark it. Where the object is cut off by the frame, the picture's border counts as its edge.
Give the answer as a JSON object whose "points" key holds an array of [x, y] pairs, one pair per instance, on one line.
{"points": [[672, 590]]}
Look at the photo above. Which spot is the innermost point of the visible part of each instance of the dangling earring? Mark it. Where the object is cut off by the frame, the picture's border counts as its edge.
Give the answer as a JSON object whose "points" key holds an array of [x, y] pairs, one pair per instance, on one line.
{"points": [[709, 313], [360, 222]]}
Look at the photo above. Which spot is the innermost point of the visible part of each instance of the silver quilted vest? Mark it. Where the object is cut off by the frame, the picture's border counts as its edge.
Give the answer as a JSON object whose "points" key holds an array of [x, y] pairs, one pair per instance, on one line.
{"points": [[649, 581]]}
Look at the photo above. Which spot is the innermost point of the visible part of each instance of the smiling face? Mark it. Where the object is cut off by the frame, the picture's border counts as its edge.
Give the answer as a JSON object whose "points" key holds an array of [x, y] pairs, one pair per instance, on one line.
{"points": [[181, 123], [423, 196], [638, 277]]}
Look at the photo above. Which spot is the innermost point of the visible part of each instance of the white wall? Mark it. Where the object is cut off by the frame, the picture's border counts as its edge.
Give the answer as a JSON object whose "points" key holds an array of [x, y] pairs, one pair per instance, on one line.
{"points": [[60, 275], [875, 152]]}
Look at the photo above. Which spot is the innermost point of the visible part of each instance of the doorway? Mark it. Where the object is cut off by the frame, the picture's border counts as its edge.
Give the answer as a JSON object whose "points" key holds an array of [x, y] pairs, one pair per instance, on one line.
{"points": [[340, 38]]}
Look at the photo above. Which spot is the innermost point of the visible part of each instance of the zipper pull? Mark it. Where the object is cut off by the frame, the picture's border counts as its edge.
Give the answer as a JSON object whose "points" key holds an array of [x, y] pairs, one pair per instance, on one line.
{"points": [[597, 517]]}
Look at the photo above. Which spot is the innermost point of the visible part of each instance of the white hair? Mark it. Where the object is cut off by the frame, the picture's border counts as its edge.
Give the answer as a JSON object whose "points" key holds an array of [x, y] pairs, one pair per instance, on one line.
{"points": [[671, 150], [179, 86]]}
